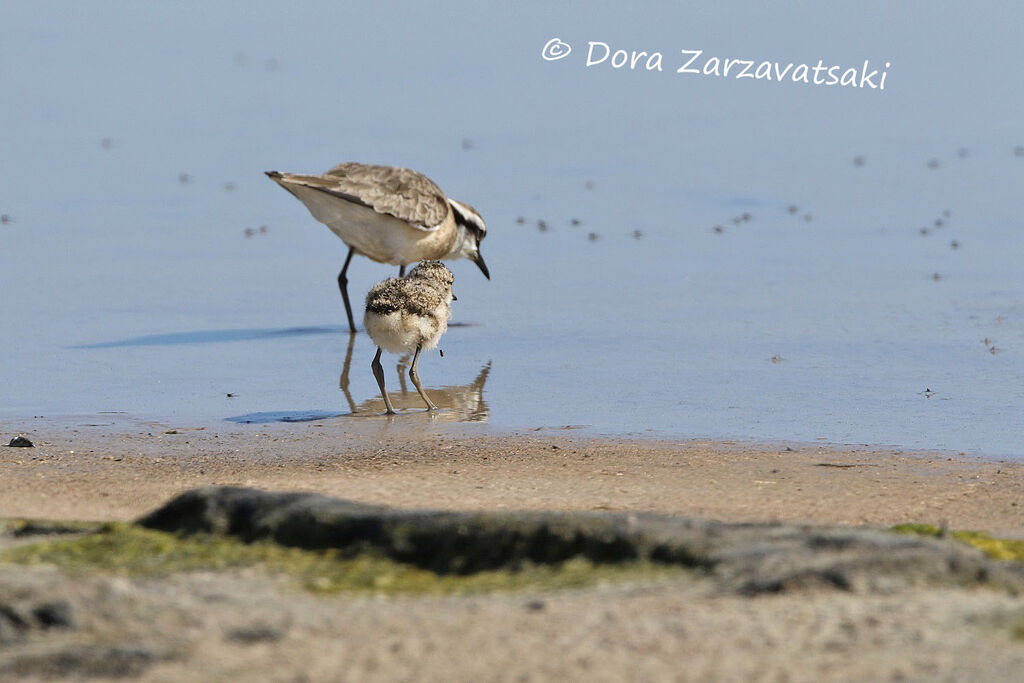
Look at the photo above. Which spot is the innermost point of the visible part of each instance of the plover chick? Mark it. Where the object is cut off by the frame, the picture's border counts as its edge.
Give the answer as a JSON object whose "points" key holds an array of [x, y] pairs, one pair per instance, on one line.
{"points": [[390, 215], [409, 314]]}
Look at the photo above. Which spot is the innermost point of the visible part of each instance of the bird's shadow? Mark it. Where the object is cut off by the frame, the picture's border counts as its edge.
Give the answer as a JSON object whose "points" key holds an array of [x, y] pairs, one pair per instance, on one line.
{"points": [[219, 336], [270, 416], [211, 336]]}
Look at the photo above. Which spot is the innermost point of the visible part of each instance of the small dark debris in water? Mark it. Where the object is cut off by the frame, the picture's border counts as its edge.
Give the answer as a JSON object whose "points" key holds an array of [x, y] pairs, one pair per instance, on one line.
{"points": [[637, 234], [575, 222], [21, 442], [927, 393], [963, 153], [737, 220], [858, 161], [718, 229], [535, 605], [589, 185], [938, 222], [936, 277], [231, 395], [249, 232], [184, 178], [933, 163], [542, 225], [229, 187], [270, 64], [954, 245], [946, 213], [1019, 150], [776, 359], [441, 351], [593, 237], [467, 144], [263, 230], [520, 220], [793, 208], [106, 143], [746, 217], [5, 219], [923, 231], [808, 217]]}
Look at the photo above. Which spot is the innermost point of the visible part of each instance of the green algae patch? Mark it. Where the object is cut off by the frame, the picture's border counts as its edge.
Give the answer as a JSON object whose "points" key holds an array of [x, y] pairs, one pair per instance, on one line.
{"points": [[1017, 628], [131, 550], [996, 548]]}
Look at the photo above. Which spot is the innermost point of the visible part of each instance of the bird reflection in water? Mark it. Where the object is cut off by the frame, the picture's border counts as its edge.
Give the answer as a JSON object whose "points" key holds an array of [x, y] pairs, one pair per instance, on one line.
{"points": [[463, 403]]}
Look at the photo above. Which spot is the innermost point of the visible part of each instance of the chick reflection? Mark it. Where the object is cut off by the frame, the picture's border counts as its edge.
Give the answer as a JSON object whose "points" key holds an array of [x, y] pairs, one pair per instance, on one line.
{"points": [[464, 403]]}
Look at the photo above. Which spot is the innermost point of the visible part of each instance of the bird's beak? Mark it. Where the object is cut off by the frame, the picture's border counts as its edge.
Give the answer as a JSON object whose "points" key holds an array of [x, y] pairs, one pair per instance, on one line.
{"points": [[479, 261]]}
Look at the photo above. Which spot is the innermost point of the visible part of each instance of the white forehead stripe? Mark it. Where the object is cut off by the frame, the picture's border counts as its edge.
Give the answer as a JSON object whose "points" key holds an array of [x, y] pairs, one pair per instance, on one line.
{"points": [[469, 215]]}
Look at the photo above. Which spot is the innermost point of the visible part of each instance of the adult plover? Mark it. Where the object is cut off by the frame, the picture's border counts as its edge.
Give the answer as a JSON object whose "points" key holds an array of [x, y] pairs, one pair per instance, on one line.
{"points": [[388, 214], [410, 313]]}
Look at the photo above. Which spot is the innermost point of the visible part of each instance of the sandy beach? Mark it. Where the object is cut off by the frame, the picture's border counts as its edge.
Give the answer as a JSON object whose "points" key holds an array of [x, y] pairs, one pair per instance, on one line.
{"points": [[224, 625], [83, 472]]}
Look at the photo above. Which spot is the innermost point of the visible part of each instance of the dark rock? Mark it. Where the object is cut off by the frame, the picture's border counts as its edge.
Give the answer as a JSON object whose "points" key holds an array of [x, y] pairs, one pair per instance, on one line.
{"points": [[20, 442], [13, 623], [85, 661], [55, 614], [19, 618], [748, 558], [36, 527], [256, 633]]}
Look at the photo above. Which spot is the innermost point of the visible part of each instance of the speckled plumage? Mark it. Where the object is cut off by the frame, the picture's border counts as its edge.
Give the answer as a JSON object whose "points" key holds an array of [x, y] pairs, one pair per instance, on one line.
{"points": [[405, 313]]}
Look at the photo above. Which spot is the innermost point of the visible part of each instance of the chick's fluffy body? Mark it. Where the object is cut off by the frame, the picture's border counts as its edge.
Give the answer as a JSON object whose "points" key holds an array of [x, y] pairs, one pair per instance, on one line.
{"points": [[403, 314]]}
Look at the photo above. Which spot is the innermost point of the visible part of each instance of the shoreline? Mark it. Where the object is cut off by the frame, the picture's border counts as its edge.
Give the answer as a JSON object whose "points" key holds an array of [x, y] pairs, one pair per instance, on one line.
{"points": [[417, 423], [81, 469]]}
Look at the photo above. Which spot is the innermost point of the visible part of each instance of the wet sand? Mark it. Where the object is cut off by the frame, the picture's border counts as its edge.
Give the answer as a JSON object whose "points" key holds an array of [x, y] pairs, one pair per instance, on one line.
{"points": [[102, 473]]}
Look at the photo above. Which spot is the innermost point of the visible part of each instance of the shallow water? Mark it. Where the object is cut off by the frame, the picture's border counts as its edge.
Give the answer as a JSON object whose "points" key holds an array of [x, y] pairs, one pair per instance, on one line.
{"points": [[136, 139]]}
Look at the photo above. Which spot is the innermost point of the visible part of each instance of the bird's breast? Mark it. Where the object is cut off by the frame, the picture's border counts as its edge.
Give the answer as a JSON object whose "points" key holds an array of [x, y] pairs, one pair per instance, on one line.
{"points": [[380, 236]]}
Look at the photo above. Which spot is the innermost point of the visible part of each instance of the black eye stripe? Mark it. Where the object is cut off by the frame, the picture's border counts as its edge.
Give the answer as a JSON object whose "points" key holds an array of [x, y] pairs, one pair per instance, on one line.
{"points": [[466, 222]]}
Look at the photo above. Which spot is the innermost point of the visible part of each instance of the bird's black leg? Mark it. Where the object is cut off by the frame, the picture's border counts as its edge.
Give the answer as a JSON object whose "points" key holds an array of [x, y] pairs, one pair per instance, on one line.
{"points": [[378, 372], [414, 375], [343, 286], [401, 270]]}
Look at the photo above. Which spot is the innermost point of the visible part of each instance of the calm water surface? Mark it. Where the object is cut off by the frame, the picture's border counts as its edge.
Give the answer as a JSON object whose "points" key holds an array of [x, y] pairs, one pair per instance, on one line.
{"points": [[149, 267]]}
